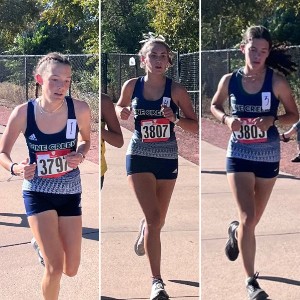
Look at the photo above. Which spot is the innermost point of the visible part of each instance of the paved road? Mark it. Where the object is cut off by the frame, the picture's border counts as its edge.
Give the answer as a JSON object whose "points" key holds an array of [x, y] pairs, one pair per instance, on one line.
{"points": [[278, 236], [127, 276], [20, 272]]}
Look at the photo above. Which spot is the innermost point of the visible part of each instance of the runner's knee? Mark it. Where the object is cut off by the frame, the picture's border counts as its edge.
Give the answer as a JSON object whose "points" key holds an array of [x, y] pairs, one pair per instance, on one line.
{"points": [[155, 222]]}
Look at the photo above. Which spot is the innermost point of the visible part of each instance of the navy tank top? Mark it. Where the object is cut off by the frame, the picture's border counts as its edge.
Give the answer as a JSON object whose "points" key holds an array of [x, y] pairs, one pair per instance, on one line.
{"points": [[250, 143], [48, 151], [154, 135]]}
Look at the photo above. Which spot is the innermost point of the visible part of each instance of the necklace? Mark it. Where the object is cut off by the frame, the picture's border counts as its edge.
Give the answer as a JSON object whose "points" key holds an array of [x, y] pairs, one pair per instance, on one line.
{"points": [[250, 77], [42, 111]]}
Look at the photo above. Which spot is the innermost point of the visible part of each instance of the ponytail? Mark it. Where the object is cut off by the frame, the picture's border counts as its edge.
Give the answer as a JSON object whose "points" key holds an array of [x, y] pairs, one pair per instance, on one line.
{"points": [[279, 60]]}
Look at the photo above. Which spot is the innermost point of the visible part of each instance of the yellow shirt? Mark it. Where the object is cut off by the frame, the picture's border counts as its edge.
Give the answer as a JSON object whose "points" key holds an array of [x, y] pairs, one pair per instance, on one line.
{"points": [[103, 161]]}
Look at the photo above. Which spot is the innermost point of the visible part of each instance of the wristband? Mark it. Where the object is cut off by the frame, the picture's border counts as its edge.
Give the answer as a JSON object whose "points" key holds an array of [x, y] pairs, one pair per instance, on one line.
{"points": [[223, 118], [82, 155], [12, 169], [176, 120]]}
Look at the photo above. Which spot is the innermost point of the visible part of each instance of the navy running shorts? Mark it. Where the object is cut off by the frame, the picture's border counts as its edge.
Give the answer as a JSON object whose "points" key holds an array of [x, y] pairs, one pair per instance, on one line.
{"points": [[260, 169], [161, 168], [64, 205]]}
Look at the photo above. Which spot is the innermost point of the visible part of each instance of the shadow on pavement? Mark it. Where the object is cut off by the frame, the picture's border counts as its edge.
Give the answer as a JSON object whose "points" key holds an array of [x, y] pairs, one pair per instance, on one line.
{"points": [[191, 283], [110, 298], [281, 279], [90, 233], [213, 172], [23, 217], [87, 233]]}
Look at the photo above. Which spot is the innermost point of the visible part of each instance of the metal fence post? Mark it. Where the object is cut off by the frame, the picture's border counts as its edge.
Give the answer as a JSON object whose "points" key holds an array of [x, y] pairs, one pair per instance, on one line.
{"points": [[25, 78], [228, 62], [119, 75], [178, 67], [104, 64], [228, 71]]}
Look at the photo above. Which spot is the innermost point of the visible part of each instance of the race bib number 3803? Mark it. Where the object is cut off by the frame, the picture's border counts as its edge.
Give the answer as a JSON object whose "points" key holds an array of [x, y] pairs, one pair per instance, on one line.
{"points": [[52, 164], [155, 130], [250, 133]]}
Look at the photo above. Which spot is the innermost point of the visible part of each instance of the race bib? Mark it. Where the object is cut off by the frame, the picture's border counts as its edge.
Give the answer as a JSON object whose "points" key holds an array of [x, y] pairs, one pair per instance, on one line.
{"points": [[155, 130], [250, 133], [52, 164]]}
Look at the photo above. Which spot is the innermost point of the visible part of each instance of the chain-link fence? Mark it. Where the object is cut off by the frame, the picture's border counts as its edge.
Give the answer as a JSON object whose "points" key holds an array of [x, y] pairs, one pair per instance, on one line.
{"points": [[216, 63], [17, 82], [116, 68]]}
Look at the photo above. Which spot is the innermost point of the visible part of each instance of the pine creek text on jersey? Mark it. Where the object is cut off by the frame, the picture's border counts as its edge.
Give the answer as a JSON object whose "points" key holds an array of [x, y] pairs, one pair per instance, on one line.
{"points": [[52, 147], [248, 108], [147, 112]]}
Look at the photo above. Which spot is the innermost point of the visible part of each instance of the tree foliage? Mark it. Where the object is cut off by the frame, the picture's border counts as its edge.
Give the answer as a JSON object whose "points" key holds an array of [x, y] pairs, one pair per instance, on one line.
{"points": [[178, 21], [223, 22], [82, 15], [122, 24], [44, 39], [39, 26], [15, 17]]}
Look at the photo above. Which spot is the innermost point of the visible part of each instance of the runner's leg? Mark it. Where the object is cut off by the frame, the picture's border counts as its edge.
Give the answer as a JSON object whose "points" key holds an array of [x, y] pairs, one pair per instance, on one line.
{"points": [[252, 195], [154, 197], [45, 229], [70, 230]]}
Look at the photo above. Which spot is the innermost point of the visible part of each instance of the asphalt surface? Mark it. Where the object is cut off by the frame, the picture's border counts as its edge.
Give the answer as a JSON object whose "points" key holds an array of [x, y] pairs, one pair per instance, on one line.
{"points": [[277, 236], [124, 275], [20, 272]]}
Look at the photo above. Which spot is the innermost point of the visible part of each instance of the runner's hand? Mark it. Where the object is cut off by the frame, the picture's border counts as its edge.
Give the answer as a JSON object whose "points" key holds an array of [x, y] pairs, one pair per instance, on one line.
{"points": [[168, 113], [124, 113], [233, 123], [25, 170], [74, 159], [264, 123]]}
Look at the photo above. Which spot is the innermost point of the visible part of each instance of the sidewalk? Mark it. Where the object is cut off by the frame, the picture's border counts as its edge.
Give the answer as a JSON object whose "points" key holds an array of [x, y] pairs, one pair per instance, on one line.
{"points": [[20, 272], [127, 276], [278, 236]]}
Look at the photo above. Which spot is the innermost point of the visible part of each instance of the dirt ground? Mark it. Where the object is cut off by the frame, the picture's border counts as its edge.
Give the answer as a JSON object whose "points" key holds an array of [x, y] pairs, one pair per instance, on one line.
{"points": [[218, 135]]}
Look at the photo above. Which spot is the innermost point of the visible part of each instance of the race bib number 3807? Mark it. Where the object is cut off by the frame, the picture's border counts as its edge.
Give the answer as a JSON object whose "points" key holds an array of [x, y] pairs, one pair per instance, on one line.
{"points": [[250, 133], [155, 130], [51, 164]]}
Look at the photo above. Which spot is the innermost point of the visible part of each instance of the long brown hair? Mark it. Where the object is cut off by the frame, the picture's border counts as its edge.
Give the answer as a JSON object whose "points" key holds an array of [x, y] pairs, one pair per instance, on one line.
{"points": [[278, 59]]}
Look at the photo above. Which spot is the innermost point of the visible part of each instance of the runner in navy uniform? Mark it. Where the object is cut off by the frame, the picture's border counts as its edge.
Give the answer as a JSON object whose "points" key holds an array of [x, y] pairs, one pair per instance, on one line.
{"points": [[253, 153], [57, 132], [152, 155]]}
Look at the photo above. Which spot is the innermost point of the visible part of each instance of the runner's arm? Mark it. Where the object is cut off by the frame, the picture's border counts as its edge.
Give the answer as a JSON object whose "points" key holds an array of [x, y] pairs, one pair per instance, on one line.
{"points": [[183, 100], [113, 134], [15, 125]]}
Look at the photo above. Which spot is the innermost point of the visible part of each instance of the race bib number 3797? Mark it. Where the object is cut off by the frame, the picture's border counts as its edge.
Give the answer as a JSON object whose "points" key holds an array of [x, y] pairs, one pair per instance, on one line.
{"points": [[51, 164], [155, 130], [250, 133]]}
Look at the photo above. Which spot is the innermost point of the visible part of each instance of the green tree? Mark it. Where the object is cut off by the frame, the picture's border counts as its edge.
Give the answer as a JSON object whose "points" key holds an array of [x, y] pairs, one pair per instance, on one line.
{"points": [[122, 24], [178, 22], [82, 15], [44, 39], [223, 22], [15, 17], [285, 26]]}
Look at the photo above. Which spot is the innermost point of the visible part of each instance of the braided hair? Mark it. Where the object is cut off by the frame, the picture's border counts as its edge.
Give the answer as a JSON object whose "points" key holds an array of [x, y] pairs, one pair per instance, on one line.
{"points": [[278, 59], [53, 57]]}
